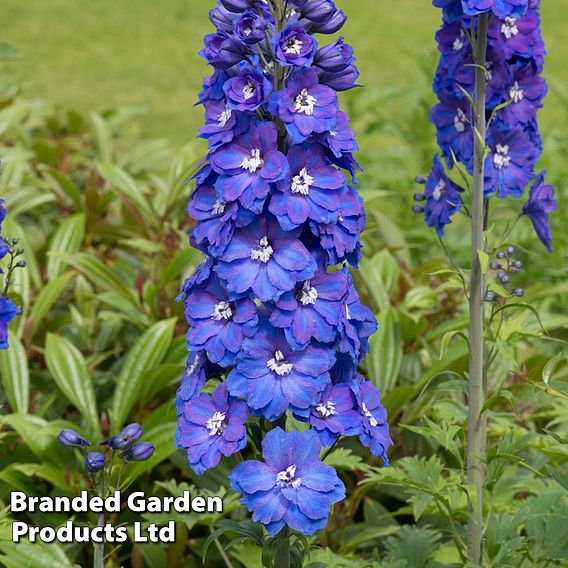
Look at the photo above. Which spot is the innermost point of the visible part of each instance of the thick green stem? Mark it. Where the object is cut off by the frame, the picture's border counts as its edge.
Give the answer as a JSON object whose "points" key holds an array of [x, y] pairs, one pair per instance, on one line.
{"points": [[99, 547], [477, 426], [282, 557]]}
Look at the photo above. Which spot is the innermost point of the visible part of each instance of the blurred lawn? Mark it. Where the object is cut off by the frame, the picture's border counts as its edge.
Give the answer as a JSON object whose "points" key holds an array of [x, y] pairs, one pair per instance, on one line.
{"points": [[110, 53]]}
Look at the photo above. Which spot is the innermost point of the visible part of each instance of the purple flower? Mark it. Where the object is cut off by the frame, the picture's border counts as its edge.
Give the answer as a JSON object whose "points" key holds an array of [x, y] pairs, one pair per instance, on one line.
{"points": [[72, 439], [340, 80], [539, 206], [442, 198], [518, 37], [222, 18], [266, 260], [501, 8], [222, 124], [94, 462], [510, 164], [217, 322], [357, 323], [125, 438], [305, 106], [211, 426], [340, 240], [375, 434], [197, 371], [8, 311], [138, 452], [292, 486], [334, 57], [248, 90], [334, 415], [452, 9], [293, 47], [310, 190], [312, 310], [248, 166], [250, 28], [274, 378]]}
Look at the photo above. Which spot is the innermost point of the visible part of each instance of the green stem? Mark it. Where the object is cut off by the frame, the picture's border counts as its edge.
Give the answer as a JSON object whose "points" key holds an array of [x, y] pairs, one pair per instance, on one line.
{"points": [[477, 425], [282, 557], [99, 547]]}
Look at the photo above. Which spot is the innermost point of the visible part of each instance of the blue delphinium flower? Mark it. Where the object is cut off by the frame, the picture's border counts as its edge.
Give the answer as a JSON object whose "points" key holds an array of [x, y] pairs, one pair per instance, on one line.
{"points": [[141, 451], [515, 91], [273, 312], [292, 486], [211, 426], [125, 438], [72, 439], [94, 462], [8, 311], [539, 206]]}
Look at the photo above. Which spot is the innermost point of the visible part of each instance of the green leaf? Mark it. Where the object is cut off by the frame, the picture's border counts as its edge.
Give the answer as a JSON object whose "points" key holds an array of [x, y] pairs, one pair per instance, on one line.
{"points": [[386, 352], [558, 476], [15, 376], [483, 258], [45, 300], [8, 52], [69, 370], [550, 368], [145, 354], [67, 239]]}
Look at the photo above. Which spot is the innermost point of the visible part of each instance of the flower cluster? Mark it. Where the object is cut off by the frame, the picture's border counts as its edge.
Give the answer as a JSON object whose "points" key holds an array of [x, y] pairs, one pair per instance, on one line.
{"points": [[505, 266], [515, 91], [8, 248], [273, 310], [126, 441]]}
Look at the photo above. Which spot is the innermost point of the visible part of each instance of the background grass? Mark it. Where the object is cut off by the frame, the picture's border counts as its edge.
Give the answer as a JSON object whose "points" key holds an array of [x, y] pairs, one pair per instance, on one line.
{"points": [[109, 53]]}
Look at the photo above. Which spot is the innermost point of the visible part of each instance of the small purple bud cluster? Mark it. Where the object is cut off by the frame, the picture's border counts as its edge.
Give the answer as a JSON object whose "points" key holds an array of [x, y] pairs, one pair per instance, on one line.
{"points": [[8, 310], [505, 266], [124, 441], [515, 91], [274, 214]]}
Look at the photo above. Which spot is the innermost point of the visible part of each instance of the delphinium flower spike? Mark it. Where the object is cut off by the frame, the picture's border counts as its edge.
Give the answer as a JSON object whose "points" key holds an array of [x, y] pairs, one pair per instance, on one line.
{"points": [[274, 315]]}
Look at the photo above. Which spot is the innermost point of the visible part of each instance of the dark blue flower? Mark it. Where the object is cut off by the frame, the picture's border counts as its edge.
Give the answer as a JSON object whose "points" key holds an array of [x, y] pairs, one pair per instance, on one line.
{"points": [[340, 80], [539, 206], [334, 415], [250, 28], [248, 165], [72, 439], [8, 311], [222, 124], [211, 426], [138, 452], [501, 8], [305, 106], [294, 47], [442, 198], [312, 310], [310, 191], [193, 379], [94, 462], [248, 90], [375, 434], [274, 378], [125, 438], [518, 37], [334, 57], [292, 486], [217, 322], [452, 9], [266, 260]]}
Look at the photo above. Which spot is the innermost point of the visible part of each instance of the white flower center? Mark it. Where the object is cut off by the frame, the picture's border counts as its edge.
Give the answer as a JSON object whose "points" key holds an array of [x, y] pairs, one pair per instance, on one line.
{"points": [[253, 162], [333, 133], [193, 366], [263, 252], [372, 420], [218, 207], [305, 103], [437, 193], [460, 120], [288, 478], [516, 93], [347, 312], [302, 182], [249, 90], [247, 31], [459, 42], [308, 295], [501, 158], [222, 311], [224, 117], [216, 424], [326, 410], [294, 46], [279, 365], [509, 28]]}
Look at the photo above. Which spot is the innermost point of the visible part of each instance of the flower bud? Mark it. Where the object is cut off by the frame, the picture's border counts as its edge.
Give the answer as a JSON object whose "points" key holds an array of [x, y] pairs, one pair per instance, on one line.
{"points": [[95, 461], [494, 265], [340, 80], [518, 264], [510, 251], [419, 197], [421, 180], [490, 297], [72, 439], [519, 292], [501, 255], [125, 438], [334, 57], [237, 6], [318, 11], [138, 452], [418, 209], [331, 26], [222, 19]]}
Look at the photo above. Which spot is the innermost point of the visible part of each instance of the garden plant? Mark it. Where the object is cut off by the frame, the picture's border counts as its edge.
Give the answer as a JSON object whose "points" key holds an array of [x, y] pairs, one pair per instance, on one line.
{"points": [[361, 389]]}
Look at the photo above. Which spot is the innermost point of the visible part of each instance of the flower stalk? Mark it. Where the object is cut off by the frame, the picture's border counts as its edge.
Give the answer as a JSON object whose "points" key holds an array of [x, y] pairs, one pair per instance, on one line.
{"points": [[477, 425]]}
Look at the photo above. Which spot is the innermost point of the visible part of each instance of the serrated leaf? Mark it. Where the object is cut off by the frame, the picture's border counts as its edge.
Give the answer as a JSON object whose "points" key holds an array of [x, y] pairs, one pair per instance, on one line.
{"points": [[69, 370], [145, 354]]}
